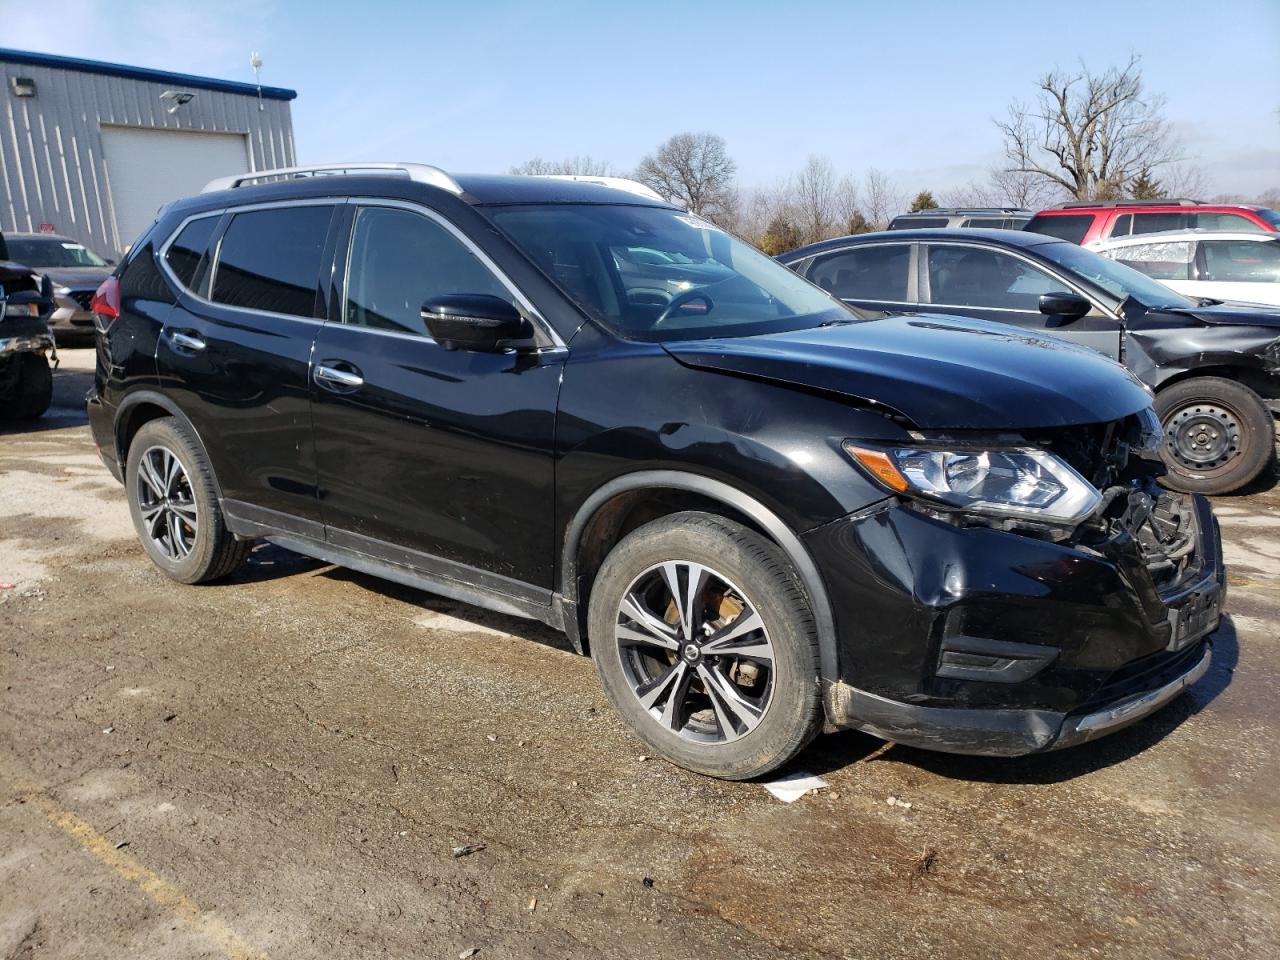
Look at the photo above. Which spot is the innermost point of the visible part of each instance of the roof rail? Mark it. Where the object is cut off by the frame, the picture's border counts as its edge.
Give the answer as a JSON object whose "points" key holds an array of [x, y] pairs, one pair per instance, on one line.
{"points": [[961, 211], [1171, 202], [418, 172], [615, 183]]}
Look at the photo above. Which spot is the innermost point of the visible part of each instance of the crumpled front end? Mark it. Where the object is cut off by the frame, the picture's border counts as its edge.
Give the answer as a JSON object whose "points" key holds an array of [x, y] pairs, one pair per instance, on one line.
{"points": [[969, 636]]}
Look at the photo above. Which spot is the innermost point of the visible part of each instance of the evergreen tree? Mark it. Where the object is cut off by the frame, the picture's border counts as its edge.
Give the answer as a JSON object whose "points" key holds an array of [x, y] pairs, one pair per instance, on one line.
{"points": [[923, 201]]}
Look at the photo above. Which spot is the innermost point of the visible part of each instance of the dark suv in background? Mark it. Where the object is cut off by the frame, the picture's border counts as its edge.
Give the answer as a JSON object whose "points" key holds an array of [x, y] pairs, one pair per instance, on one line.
{"points": [[964, 218], [571, 403]]}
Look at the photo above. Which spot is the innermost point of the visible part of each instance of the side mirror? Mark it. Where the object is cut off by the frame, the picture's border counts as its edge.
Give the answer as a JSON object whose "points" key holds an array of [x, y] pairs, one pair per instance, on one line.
{"points": [[110, 262], [1066, 307], [473, 321]]}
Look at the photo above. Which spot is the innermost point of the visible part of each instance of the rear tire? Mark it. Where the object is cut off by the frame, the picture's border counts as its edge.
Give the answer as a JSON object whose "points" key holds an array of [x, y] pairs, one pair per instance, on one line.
{"points": [[1220, 435], [174, 505], [743, 695]]}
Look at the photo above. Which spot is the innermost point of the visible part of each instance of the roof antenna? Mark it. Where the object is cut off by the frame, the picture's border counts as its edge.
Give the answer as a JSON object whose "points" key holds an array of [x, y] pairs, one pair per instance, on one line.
{"points": [[255, 61]]}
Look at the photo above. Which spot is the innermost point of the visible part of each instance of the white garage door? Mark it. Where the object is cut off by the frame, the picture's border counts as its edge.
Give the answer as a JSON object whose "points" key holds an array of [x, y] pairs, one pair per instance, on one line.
{"points": [[147, 168]]}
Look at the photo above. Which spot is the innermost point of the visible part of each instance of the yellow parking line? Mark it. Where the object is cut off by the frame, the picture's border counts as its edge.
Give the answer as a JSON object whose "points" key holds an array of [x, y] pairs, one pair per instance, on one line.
{"points": [[158, 890], [1253, 585]]}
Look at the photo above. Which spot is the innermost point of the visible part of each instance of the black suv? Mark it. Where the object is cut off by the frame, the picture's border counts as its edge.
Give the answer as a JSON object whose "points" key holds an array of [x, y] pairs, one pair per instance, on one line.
{"points": [[1214, 366], [571, 403], [965, 218]]}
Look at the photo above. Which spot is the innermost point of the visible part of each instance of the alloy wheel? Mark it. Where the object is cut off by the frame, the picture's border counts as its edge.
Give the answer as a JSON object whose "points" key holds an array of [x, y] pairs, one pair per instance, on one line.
{"points": [[167, 503], [695, 652]]}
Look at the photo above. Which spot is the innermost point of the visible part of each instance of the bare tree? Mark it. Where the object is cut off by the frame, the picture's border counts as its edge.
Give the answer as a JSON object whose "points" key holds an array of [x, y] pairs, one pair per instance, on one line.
{"points": [[1017, 188], [1184, 180], [694, 169], [755, 208], [584, 166], [881, 198], [816, 200], [1089, 134], [1004, 188], [848, 202]]}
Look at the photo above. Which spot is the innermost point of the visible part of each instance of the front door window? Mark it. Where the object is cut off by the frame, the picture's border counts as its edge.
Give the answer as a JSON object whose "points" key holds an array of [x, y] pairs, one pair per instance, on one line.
{"points": [[986, 279], [400, 260]]}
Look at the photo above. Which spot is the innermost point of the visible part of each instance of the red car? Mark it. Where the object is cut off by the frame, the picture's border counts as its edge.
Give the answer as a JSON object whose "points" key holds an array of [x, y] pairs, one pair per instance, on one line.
{"points": [[1085, 221]]}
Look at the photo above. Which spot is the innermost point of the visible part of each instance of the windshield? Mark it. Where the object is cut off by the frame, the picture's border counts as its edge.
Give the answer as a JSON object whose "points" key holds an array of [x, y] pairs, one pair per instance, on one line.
{"points": [[651, 273], [52, 252], [1118, 280]]}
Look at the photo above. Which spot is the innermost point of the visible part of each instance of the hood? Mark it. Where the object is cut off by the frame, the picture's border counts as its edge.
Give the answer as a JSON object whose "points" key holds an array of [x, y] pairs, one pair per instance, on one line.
{"points": [[17, 273], [938, 372], [1237, 313], [77, 276]]}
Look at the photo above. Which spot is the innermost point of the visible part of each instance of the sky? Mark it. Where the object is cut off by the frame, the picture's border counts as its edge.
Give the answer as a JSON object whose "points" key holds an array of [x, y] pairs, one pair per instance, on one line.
{"points": [[909, 87]]}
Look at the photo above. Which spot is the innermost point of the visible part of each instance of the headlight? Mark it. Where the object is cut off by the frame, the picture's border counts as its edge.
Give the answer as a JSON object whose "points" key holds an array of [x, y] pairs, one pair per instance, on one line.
{"points": [[1021, 483], [62, 291]]}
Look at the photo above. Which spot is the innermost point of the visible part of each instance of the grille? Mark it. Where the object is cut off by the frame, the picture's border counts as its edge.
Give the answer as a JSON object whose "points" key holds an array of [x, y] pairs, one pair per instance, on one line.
{"points": [[83, 297]]}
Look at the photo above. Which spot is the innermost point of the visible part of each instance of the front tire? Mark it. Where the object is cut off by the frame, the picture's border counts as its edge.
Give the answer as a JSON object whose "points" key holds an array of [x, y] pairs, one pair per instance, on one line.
{"points": [[31, 390], [706, 646], [1220, 435], [174, 505]]}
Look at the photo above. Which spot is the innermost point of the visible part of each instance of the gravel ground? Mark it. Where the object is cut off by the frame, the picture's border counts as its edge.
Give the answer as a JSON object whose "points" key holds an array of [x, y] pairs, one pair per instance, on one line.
{"points": [[283, 765]]}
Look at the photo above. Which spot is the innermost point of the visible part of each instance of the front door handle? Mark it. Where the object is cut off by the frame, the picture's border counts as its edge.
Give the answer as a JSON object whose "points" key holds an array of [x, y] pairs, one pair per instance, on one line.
{"points": [[186, 342], [338, 379]]}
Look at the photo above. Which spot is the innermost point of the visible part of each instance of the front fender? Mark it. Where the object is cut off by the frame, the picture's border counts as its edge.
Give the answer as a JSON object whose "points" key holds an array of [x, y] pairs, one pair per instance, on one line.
{"points": [[1161, 354]]}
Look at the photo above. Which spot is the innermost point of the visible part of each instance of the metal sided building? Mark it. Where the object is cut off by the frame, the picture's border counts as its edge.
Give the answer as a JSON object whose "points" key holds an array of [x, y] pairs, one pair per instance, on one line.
{"points": [[92, 150]]}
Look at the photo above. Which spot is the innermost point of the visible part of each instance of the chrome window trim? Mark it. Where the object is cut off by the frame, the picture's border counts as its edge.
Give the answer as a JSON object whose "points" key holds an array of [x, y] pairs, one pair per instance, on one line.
{"points": [[216, 255], [897, 303], [162, 252], [912, 248], [976, 245], [557, 343], [427, 338]]}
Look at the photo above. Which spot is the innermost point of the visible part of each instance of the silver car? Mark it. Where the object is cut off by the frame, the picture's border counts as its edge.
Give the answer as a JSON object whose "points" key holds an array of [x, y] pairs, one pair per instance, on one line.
{"points": [[76, 272]]}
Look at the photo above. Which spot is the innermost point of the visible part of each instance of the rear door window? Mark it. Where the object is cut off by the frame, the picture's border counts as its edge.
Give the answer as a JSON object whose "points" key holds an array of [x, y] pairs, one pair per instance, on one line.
{"points": [[269, 260], [985, 223], [1241, 261], [1072, 227], [186, 256], [979, 277], [1155, 222], [1162, 261], [876, 272], [1225, 223]]}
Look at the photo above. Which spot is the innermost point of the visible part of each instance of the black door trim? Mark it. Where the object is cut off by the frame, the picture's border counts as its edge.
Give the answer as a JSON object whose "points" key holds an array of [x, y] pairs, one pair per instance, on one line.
{"points": [[457, 581]]}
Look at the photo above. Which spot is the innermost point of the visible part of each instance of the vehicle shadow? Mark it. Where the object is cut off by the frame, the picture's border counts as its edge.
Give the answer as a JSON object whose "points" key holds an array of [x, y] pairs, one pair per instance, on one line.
{"points": [[269, 562], [67, 409], [843, 749], [1266, 480]]}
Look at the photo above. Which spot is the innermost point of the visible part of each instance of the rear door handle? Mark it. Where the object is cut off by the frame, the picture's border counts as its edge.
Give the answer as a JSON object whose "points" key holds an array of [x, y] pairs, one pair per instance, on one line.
{"points": [[336, 378], [186, 342]]}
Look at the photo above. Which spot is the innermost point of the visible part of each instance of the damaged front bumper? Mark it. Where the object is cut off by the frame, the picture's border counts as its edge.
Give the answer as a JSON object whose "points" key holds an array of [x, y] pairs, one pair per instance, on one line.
{"points": [[979, 641]]}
